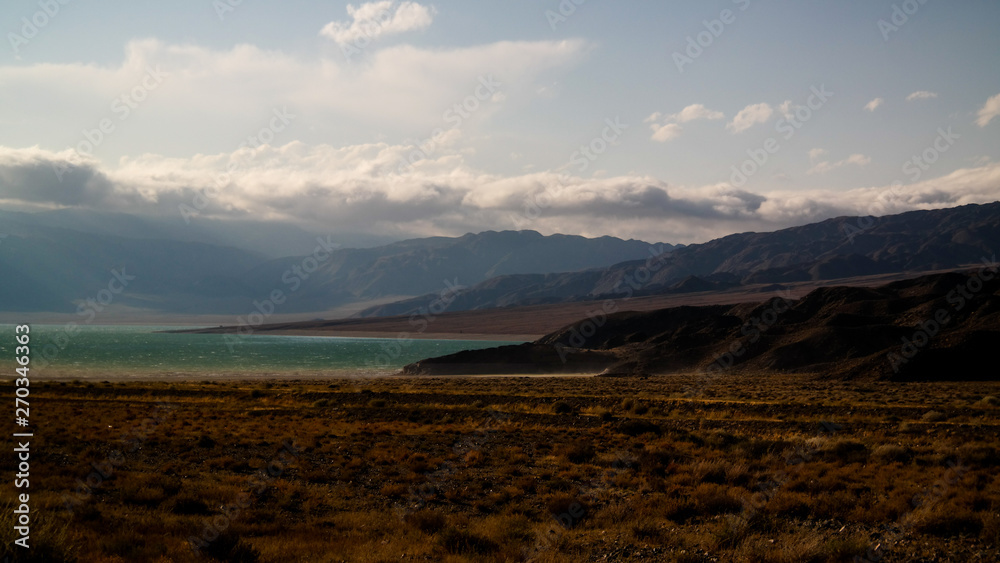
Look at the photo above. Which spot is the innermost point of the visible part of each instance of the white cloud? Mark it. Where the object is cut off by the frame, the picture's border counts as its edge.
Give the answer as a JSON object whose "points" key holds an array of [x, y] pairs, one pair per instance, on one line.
{"points": [[827, 166], [787, 109], [921, 95], [666, 128], [990, 110], [695, 112], [666, 132], [360, 188], [223, 95], [814, 154], [874, 104], [750, 116], [372, 20]]}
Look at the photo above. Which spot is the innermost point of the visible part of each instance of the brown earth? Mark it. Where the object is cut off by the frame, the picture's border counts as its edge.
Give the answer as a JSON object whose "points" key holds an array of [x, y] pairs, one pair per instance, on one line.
{"points": [[761, 468], [942, 326]]}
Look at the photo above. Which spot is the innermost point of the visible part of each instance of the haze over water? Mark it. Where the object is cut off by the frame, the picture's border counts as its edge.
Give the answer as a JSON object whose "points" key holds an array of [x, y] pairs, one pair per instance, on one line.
{"points": [[140, 351]]}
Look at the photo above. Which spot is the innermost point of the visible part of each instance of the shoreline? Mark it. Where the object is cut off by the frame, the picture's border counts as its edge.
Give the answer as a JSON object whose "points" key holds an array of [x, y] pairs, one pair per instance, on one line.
{"points": [[387, 335], [99, 376]]}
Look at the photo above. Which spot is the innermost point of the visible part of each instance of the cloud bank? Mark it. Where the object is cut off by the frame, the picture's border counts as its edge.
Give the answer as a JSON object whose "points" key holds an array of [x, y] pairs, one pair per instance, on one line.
{"points": [[363, 189]]}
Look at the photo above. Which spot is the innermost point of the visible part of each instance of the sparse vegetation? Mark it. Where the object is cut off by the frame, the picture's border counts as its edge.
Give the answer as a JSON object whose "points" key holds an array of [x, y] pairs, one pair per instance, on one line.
{"points": [[512, 469]]}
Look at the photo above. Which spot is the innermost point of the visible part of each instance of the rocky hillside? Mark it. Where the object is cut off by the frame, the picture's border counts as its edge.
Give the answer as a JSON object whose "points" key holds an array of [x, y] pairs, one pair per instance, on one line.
{"points": [[942, 326]]}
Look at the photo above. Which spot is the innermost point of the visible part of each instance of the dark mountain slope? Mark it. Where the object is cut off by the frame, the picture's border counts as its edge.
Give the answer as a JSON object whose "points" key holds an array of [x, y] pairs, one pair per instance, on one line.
{"points": [[944, 326]]}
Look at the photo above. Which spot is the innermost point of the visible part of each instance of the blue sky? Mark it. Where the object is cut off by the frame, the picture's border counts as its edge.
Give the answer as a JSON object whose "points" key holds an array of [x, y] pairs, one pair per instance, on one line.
{"points": [[341, 128]]}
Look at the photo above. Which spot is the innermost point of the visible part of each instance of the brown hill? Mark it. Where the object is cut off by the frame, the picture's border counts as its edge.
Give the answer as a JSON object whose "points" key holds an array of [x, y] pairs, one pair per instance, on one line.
{"points": [[941, 326]]}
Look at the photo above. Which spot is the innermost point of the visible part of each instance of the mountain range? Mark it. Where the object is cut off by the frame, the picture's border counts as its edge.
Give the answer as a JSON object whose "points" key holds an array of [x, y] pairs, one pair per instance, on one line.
{"points": [[51, 262], [844, 247]]}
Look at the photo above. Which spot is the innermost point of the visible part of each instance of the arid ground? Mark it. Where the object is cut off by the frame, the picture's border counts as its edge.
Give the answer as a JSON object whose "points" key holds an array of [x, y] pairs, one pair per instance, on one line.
{"points": [[776, 468]]}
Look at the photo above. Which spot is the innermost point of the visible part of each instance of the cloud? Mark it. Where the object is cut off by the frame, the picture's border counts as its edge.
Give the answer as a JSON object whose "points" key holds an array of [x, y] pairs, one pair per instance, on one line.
{"points": [[750, 116], [827, 166], [814, 154], [695, 112], [34, 176], [361, 188], [666, 128], [666, 132], [787, 109], [209, 97], [989, 110], [874, 104], [921, 95], [372, 20]]}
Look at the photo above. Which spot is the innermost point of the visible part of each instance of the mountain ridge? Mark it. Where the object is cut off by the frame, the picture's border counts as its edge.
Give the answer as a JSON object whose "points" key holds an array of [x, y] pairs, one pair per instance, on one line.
{"points": [[936, 327], [836, 248]]}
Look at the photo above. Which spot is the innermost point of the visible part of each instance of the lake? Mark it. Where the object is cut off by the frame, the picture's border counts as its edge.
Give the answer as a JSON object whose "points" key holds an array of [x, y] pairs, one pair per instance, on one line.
{"points": [[143, 351]]}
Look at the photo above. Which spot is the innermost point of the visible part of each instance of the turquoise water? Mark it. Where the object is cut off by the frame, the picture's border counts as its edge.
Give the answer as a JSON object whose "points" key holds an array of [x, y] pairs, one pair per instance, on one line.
{"points": [[57, 350]]}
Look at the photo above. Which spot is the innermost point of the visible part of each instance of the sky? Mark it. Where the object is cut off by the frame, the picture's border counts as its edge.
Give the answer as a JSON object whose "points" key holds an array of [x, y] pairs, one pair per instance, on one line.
{"points": [[672, 121]]}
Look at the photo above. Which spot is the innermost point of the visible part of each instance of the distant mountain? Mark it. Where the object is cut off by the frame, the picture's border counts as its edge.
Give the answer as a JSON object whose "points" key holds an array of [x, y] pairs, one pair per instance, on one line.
{"points": [[45, 269], [269, 239], [937, 327], [433, 265], [49, 268], [834, 249]]}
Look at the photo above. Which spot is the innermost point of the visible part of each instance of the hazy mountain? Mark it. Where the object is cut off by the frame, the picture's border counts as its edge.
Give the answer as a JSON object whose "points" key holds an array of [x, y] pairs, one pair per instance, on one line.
{"points": [[48, 269], [45, 267], [270, 239], [833, 249], [419, 266]]}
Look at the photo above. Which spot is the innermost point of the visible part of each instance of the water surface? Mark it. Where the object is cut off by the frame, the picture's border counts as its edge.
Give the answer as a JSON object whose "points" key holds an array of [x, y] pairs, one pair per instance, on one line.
{"points": [[142, 351]]}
